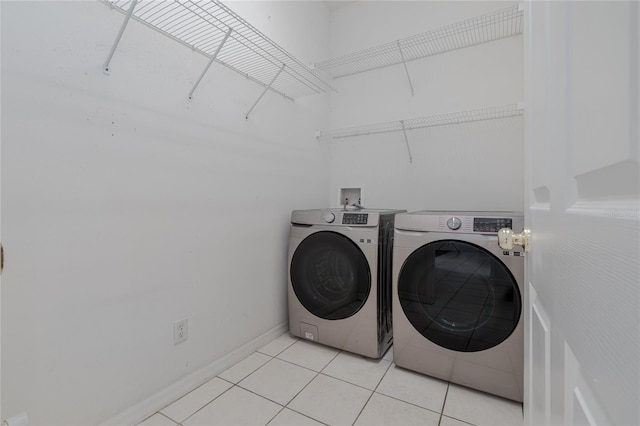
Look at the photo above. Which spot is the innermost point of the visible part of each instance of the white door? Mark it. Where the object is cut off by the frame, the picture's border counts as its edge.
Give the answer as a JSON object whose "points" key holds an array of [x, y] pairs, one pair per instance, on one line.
{"points": [[582, 124]]}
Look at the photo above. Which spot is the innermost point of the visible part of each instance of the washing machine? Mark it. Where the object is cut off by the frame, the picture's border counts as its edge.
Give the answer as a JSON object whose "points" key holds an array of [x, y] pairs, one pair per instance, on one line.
{"points": [[458, 299], [339, 287]]}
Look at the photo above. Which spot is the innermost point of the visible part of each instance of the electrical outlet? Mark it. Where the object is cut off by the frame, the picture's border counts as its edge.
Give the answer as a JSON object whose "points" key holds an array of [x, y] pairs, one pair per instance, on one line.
{"points": [[180, 331]]}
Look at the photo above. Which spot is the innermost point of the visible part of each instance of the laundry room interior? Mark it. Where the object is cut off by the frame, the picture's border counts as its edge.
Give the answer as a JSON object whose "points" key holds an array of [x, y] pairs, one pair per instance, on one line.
{"points": [[148, 188]]}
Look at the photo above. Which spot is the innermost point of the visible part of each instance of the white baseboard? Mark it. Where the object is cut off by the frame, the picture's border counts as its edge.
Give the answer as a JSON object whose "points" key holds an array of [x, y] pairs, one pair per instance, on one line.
{"points": [[154, 403]]}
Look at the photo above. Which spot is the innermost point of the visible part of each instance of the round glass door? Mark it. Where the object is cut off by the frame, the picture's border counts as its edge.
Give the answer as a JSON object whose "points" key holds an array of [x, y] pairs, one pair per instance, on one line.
{"points": [[459, 296], [330, 275]]}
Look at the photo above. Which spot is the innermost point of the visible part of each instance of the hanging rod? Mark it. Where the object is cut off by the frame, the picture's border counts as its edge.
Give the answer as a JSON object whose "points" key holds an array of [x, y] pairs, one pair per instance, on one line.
{"points": [[503, 23], [490, 113], [202, 26]]}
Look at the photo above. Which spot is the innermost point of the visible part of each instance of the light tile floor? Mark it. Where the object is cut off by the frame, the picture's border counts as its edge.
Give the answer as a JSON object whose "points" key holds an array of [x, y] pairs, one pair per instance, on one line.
{"points": [[295, 382]]}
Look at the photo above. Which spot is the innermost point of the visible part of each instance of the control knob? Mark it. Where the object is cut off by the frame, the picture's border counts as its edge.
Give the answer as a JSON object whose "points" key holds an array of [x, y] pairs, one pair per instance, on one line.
{"points": [[454, 223], [329, 217]]}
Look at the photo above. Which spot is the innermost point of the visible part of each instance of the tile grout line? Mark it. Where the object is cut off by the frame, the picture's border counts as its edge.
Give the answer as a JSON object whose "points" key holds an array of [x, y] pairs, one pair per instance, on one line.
{"points": [[444, 402], [161, 414], [347, 382], [201, 408], [317, 373], [373, 391], [183, 396], [306, 415], [233, 385], [272, 358], [407, 402], [247, 375], [383, 376], [276, 415], [353, 384], [443, 405], [302, 366], [288, 346], [298, 393], [362, 409], [167, 417], [333, 359], [321, 372], [252, 392]]}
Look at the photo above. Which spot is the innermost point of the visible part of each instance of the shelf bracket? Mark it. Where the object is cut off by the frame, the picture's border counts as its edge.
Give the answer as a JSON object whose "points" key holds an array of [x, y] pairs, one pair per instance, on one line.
{"points": [[404, 63], [106, 68], [406, 140], [246, 116], [213, 58]]}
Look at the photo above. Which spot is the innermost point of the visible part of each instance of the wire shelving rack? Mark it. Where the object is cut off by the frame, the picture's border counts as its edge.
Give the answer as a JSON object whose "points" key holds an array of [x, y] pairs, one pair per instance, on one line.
{"points": [[215, 31], [469, 116], [489, 113], [482, 29]]}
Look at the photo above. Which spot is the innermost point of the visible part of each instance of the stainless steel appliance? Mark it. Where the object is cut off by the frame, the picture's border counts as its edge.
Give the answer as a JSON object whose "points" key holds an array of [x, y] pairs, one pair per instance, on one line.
{"points": [[458, 299], [339, 287]]}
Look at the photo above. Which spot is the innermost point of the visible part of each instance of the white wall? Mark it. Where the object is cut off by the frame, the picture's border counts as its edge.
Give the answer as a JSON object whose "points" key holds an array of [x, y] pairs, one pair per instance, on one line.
{"points": [[475, 166], [124, 208]]}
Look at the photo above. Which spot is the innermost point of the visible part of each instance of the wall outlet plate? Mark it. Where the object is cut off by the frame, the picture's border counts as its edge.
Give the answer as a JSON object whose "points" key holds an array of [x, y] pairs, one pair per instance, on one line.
{"points": [[180, 331]]}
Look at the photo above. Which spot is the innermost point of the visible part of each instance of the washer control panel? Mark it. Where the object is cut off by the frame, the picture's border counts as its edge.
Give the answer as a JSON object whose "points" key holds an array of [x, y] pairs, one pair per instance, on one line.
{"points": [[488, 224], [355, 218]]}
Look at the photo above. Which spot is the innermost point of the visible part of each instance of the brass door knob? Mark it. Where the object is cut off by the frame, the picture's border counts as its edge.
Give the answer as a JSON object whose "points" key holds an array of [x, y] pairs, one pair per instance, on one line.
{"points": [[507, 239]]}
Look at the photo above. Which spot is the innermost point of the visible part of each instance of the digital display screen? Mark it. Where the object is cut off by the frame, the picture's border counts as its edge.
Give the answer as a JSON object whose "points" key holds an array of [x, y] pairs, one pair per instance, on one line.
{"points": [[488, 224], [354, 219]]}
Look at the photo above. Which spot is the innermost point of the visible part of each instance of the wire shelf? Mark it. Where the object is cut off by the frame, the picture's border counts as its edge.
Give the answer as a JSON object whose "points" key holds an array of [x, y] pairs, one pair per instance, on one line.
{"points": [[490, 113], [501, 24], [203, 27]]}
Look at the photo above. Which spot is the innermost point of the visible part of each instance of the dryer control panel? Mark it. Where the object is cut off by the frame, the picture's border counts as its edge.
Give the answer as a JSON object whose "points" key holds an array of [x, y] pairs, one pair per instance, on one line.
{"points": [[490, 224], [458, 222]]}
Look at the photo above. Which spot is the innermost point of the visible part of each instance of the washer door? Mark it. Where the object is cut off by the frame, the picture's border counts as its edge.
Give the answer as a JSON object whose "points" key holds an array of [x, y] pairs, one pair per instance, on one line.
{"points": [[330, 275], [459, 296]]}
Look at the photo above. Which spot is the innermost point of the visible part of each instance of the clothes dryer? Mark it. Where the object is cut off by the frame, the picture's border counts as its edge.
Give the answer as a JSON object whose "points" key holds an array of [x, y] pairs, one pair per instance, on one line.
{"points": [[457, 299], [339, 286]]}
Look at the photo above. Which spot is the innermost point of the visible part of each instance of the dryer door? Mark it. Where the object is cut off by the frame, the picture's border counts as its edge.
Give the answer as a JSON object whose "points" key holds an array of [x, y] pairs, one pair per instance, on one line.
{"points": [[459, 296], [330, 275]]}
